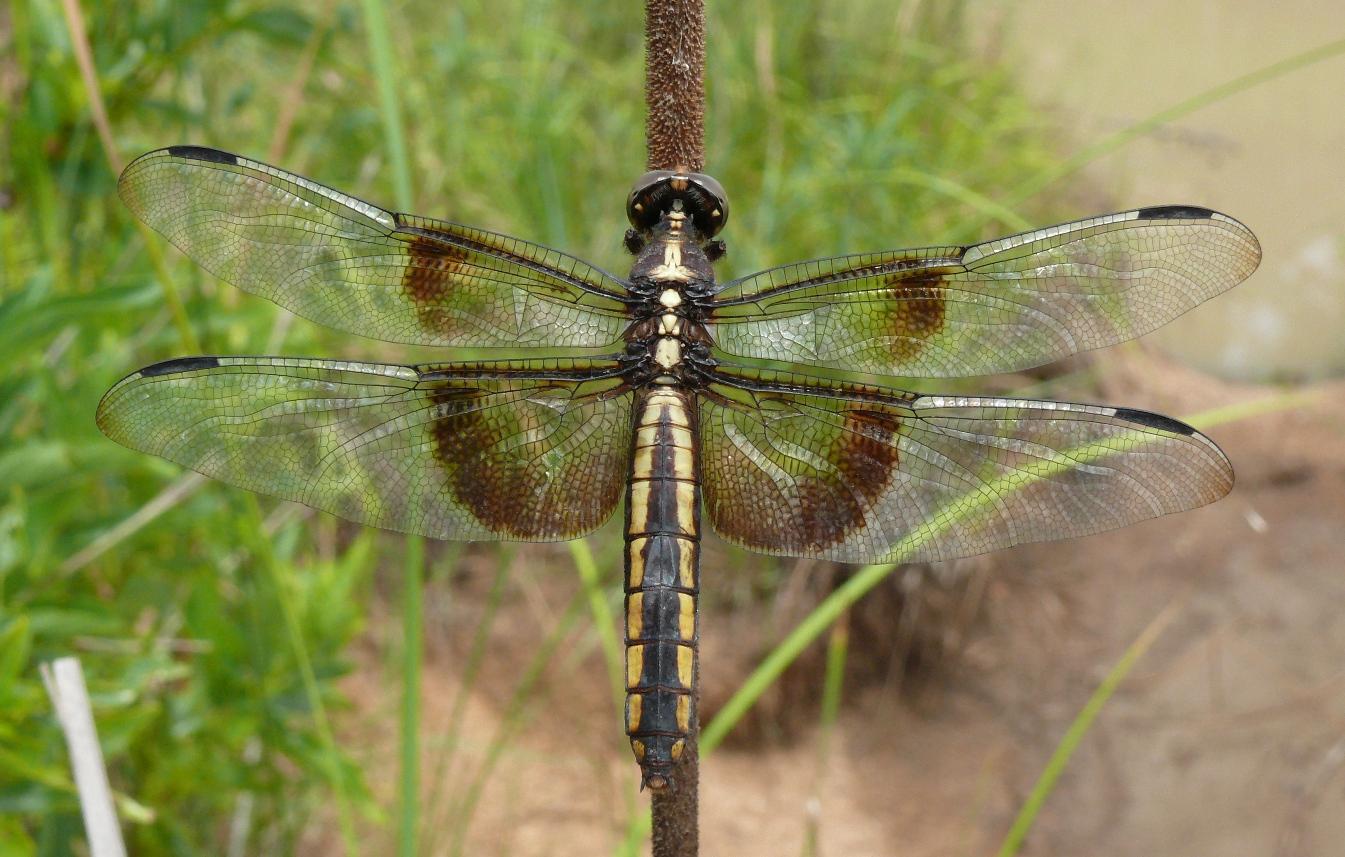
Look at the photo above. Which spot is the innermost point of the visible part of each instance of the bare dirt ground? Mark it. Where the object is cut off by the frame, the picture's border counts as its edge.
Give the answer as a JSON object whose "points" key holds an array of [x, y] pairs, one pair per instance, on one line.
{"points": [[1227, 739]]}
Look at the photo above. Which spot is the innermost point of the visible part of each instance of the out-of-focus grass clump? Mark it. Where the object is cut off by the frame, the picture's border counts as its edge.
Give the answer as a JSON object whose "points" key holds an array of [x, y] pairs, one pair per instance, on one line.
{"points": [[836, 127]]}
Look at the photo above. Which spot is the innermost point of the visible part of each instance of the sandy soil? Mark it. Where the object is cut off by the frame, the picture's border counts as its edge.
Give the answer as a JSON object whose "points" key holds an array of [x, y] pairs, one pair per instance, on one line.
{"points": [[1227, 738]]}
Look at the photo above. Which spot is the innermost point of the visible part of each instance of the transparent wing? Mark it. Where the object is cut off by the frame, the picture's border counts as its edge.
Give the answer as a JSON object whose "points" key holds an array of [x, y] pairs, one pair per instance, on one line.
{"points": [[804, 466], [353, 266], [520, 450], [1004, 305]]}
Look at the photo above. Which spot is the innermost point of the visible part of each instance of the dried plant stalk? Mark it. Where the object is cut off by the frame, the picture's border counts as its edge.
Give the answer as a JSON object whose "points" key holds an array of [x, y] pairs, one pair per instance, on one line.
{"points": [[675, 83], [675, 134]]}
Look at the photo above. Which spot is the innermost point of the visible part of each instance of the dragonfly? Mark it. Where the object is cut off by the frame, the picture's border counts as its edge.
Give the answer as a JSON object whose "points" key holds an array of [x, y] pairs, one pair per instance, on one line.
{"points": [[673, 395]]}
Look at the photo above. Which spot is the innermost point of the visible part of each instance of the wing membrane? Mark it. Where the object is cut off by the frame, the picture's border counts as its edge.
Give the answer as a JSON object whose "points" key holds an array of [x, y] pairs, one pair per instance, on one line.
{"points": [[353, 266], [520, 450], [1004, 305], [803, 466]]}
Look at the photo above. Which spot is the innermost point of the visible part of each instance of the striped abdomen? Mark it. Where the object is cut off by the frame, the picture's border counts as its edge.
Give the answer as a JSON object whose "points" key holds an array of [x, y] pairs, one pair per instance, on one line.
{"points": [[662, 571]]}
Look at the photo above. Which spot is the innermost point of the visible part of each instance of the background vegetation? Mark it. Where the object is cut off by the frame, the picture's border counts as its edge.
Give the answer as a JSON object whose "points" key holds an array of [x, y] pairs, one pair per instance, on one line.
{"points": [[212, 624]]}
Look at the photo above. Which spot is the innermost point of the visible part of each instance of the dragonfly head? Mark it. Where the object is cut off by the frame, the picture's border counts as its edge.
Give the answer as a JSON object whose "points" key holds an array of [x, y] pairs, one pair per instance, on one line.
{"points": [[699, 196]]}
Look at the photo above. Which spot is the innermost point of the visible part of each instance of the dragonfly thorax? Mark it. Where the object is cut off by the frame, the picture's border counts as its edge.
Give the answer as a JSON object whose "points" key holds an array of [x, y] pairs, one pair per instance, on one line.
{"points": [[673, 255], [668, 353], [666, 348], [674, 279]]}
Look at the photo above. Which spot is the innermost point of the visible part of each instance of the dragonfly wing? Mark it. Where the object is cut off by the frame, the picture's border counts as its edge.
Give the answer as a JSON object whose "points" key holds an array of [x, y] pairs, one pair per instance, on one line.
{"points": [[518, 450], [805, 466], [356, 267], [1004, 305]]}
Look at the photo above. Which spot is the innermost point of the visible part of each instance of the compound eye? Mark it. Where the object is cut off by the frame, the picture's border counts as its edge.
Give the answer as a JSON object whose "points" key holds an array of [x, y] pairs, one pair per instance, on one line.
{"points": [[711, 203], [648, 197], [656, 192]]}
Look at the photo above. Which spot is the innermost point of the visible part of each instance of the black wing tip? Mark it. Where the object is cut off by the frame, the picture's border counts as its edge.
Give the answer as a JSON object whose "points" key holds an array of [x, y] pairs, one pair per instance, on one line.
{"points": [[202, 153], [1218, 458], [166, 367], [1152, 420], [190, 153], [179, 364], [1197, 212], [1175, 212]]}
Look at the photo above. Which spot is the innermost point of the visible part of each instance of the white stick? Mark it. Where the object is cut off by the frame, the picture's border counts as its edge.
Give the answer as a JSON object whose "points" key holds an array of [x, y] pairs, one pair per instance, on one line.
{"points": [[65, 685]]}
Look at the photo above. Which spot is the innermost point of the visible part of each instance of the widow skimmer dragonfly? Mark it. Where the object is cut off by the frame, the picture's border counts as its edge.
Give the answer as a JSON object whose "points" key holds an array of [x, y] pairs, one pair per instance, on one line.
{"points": [[651, 408]]}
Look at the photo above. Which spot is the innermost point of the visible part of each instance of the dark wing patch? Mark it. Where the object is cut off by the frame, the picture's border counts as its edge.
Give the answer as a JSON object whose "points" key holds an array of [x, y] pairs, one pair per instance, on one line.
{"points": [[825, 505], [804, 466], [525, 450], [343, 262], [530, 472], [914, 321], [1004, 305], [430, 281]]}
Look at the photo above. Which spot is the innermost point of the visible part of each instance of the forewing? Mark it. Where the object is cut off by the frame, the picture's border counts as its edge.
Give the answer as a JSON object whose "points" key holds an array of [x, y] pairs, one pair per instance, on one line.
{"points": [[804, 466], [517, 450], [1001, 306], [353, 266]]}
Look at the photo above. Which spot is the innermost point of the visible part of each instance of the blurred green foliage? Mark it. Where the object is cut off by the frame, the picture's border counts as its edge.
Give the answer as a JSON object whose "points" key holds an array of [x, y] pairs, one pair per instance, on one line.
{"points": [[836, 127]]}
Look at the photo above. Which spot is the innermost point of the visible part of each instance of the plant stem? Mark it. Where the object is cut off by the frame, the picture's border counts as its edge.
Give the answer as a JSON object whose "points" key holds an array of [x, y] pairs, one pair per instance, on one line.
{"points": [[277, 574], [838, 649], [675, 83], [674, 810], [675, 134]]}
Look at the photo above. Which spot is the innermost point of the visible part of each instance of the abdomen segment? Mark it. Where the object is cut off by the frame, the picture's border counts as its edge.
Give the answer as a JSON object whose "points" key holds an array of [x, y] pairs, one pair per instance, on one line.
{"points": [[662, 579]]}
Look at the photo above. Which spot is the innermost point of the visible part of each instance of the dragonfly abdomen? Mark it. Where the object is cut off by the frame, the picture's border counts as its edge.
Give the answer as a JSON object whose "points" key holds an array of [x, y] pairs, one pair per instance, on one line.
{"points": [[662, 579]]}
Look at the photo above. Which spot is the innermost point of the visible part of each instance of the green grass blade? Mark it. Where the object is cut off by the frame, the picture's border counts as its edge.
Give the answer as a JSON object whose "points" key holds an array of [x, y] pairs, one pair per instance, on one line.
{"points": [[413, 639], [515, 714], [789, 649], [413, 635], [79, 41], [385, 77], [604, 620], [277, 572], [475, 657], [838, 650], [605, 623], [1079, 728], [958, 192]]}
